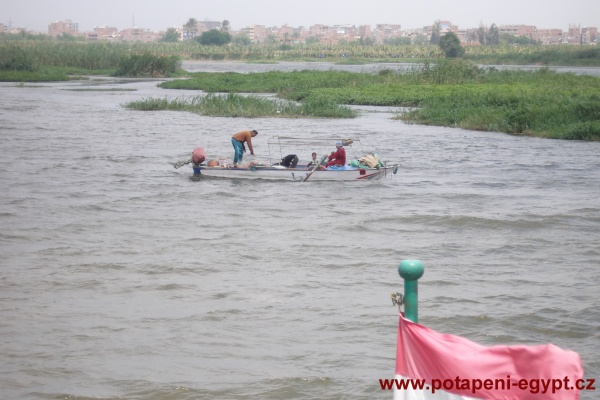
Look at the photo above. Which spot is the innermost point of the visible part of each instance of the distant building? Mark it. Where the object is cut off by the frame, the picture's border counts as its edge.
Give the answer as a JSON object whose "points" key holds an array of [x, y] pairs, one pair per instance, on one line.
{"points": [[386, 31], [391, 30], [518, 30], [104, 33], [581, 36], [58, 28], [286, 34], [318, 30], [573, 35], [446, 26], [365, 31], [256, 33], [548, 36], [589, 35], [139, 35]]}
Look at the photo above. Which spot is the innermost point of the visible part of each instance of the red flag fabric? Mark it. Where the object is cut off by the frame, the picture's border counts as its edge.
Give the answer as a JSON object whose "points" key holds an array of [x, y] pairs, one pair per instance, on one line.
{"points": [[432, 365]]}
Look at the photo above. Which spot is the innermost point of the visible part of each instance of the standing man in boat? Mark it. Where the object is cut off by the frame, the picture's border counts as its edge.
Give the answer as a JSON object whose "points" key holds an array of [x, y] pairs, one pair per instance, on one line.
{"points": [[239, 141], [338, 157]]}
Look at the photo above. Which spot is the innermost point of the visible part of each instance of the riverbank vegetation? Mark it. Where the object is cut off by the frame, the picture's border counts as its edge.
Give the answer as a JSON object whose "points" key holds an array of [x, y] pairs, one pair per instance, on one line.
{"points": [[438, 91], [235, 105], [448, 93], [31, 59], [108, 56], [36, 61]]}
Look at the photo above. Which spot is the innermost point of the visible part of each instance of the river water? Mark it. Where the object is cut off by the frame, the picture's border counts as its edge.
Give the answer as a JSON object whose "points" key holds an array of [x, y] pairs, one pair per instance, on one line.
{"points": [[123, 278]]}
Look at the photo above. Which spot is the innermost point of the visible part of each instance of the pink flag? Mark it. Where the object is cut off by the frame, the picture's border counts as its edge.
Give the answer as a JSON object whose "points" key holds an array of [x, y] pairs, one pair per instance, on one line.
{"points": [[432, 365]]}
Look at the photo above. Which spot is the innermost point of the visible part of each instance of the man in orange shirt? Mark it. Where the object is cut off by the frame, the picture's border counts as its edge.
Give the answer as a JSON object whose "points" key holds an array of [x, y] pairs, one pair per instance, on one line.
{"points": [[238, 141]]}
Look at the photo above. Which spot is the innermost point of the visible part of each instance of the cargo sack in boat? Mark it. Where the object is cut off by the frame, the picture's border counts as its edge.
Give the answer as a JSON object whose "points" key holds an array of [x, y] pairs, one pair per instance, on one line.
{"points": [[289, 161], [370, 161], [198, 155]]}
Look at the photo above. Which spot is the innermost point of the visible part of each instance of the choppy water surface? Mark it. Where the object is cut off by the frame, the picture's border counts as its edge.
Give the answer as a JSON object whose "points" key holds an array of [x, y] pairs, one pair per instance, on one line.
{"points": [[121, 277]]}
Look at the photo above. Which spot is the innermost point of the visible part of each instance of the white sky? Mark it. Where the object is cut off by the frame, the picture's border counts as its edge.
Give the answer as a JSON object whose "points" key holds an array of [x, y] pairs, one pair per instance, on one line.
{"points": [[156, 15]]}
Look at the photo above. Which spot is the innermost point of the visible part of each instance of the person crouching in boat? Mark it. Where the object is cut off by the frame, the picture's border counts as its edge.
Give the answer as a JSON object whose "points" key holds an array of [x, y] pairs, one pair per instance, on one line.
{"points": [[338, 157], [238, 141]]}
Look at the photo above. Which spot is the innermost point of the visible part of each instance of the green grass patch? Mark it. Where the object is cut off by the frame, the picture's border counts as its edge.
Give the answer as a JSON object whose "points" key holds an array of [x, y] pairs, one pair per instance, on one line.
{"points": [[235, 105], [564, 107], [35, 76], [268, 82], [51, 74]]}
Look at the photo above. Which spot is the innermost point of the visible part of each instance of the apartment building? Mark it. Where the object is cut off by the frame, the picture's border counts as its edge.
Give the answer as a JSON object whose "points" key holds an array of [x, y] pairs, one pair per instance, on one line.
{"points": [[256, 33], [589, 35], [104, 33], [581, 36], [63, 27], [548, 36], [139, 35], [518, 30]]}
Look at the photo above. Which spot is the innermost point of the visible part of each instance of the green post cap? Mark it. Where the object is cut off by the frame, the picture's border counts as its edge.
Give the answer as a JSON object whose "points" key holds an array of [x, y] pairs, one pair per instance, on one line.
{"points": [[411, 270]]}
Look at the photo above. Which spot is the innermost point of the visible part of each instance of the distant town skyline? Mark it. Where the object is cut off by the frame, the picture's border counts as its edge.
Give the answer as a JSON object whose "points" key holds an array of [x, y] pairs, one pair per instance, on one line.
{"points": [[36, 15]]}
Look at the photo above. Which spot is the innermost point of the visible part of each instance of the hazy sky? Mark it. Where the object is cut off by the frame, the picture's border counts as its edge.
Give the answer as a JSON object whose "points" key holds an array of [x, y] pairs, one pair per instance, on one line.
{"points": [[156, 15]]}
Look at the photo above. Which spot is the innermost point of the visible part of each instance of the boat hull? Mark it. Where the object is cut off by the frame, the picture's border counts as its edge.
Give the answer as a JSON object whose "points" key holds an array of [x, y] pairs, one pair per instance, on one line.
{"points": [[295, 174]]}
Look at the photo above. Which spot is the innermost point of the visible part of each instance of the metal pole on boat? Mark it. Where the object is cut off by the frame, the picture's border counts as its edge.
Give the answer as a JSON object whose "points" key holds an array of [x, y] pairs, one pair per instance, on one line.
{"points": [[411, 271]]}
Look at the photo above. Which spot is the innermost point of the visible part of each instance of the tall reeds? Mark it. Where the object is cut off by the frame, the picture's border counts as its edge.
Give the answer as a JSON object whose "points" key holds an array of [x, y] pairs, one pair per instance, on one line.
{"points": [[148, 65], [107, 55]]}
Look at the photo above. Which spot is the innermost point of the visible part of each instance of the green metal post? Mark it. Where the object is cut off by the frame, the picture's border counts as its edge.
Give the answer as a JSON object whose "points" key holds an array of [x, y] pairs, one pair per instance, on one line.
{"points": [[411, 271]]}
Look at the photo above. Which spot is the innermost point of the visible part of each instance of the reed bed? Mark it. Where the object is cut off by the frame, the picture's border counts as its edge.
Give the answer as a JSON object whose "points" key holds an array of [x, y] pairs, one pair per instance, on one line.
{"points": [[148, 65], [107, 55]]}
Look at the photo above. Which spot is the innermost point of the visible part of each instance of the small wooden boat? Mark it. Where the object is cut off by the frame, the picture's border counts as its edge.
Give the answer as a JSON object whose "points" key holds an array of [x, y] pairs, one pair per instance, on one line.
{"points": [[363, 168]]}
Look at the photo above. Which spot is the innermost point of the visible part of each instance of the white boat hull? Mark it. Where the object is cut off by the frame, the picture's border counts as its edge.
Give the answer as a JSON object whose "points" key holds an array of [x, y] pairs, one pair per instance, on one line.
{"points": [[296, 174]]}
